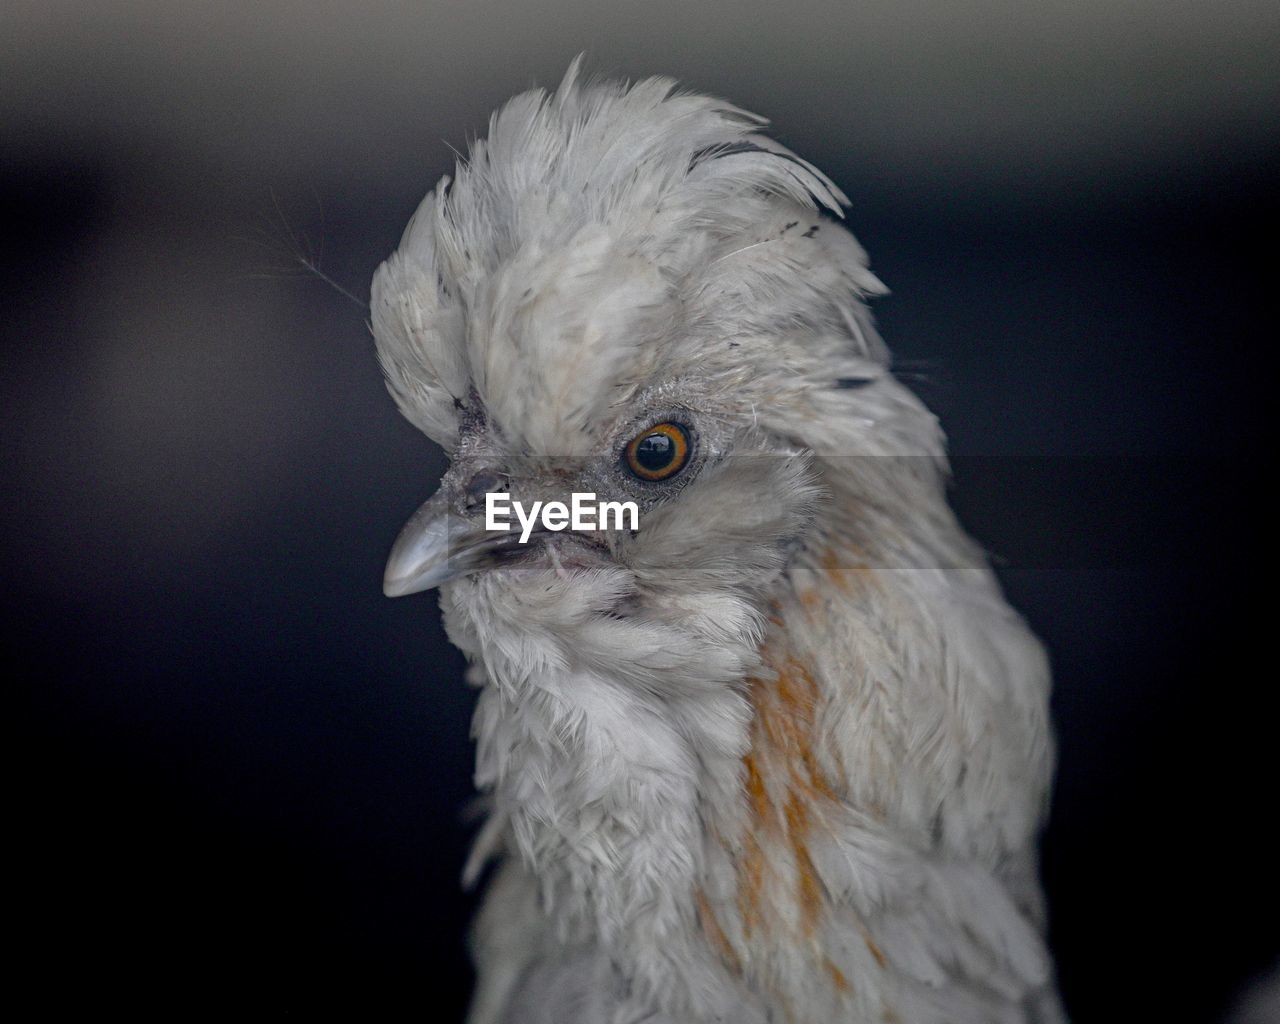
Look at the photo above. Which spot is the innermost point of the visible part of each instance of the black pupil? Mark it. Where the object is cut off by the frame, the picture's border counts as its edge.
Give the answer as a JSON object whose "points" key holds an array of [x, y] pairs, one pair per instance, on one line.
{"points": [[656, 452]]}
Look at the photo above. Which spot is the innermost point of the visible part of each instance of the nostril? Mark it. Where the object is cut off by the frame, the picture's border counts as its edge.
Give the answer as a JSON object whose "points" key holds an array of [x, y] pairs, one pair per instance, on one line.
{"points": [[483, 483]]}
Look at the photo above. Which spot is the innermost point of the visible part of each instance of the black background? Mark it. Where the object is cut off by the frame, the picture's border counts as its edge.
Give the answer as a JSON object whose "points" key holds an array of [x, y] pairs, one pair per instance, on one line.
{"points": [[238, 772]]}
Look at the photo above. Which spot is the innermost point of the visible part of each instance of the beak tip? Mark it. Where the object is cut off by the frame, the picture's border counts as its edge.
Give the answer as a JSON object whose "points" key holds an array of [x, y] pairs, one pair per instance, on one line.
{"points": [[396, 585], [401, 580], [431, 549]]}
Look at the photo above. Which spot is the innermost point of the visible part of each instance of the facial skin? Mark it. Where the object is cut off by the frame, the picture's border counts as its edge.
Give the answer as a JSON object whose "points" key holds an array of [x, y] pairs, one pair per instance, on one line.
{"points": [[724, 520]]}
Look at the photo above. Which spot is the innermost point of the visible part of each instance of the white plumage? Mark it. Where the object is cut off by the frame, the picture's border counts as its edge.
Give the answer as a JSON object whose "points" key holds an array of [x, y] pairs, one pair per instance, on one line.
{"points": [[783, 754]]}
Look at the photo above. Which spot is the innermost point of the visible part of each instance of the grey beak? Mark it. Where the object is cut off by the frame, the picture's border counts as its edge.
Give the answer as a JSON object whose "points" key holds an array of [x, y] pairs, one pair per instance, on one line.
{"points": [[434, 547]]}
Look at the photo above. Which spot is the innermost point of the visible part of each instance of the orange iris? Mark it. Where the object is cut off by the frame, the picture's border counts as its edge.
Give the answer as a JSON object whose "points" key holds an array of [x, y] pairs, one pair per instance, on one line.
{"points": [[659, 452]]}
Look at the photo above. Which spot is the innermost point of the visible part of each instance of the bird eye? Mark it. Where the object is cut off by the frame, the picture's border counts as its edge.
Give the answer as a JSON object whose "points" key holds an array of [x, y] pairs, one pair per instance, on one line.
{"points": [[659, 452]]}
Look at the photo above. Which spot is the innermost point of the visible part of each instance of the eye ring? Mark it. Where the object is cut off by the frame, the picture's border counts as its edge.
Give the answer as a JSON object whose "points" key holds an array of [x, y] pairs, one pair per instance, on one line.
{"points": [[658, 452]]}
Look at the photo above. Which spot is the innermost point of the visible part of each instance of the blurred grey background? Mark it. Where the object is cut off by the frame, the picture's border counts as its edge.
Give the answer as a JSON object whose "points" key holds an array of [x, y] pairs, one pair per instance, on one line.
{"points": [[240, 770]]}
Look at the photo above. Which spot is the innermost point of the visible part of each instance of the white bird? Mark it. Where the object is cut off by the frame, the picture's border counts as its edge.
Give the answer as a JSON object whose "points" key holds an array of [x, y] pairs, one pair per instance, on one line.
{"points": [[783, 752]]}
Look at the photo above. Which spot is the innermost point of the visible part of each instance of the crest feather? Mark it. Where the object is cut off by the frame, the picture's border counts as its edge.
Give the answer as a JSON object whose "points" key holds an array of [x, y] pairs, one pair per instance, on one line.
{"points": [[597, 181]]}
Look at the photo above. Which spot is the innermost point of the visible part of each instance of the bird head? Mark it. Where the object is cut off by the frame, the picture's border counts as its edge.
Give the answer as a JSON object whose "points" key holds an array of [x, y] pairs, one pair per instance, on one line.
{"points": [[628, 291]]}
